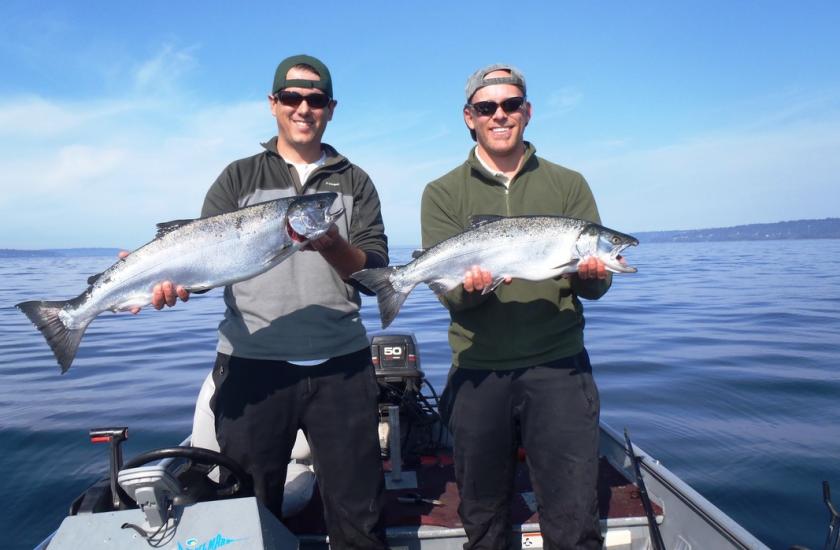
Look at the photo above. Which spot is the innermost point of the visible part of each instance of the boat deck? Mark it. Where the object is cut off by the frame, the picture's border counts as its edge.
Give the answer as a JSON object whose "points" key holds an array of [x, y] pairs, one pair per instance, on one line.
{"points": [[618, 498]]}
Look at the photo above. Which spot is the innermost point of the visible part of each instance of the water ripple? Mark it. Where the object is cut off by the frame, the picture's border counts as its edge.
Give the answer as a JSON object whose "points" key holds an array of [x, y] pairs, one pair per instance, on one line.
{"points": [[722, 363]]}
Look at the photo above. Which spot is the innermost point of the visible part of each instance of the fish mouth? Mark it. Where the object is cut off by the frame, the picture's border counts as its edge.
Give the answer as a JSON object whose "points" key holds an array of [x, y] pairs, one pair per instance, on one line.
{"points": [[614, 261], [332, 216], [294, 235], [329, 218]]}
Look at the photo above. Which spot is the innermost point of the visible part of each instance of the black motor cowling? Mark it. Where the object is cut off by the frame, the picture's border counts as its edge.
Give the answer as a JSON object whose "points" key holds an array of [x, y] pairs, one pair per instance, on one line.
{"points": [[396, 359]]}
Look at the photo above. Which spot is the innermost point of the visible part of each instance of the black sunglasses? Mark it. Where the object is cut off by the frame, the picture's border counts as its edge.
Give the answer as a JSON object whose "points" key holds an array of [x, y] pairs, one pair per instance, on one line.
{"points": [[293, 99], [488, 108]]}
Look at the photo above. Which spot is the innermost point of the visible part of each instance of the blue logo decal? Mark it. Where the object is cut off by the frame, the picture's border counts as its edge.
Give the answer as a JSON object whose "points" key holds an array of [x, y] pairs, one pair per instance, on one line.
{"points": [[213, 544]]}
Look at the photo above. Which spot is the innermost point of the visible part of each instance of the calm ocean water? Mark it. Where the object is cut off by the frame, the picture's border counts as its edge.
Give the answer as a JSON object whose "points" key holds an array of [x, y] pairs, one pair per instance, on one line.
{"points": [[720, 358]]}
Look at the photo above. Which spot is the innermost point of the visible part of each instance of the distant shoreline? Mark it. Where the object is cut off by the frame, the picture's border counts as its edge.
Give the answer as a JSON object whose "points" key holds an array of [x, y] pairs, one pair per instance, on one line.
{"points": [[826, 228], [58, 252]]}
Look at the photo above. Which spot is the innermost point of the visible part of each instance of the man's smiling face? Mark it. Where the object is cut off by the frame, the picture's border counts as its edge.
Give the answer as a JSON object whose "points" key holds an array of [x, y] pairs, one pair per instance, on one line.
{"points": [[501, 133], [301, 126]]}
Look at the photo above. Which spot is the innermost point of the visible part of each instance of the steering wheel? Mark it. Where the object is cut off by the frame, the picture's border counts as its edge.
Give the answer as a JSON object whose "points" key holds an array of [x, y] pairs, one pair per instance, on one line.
{"points": [[197, 456]]}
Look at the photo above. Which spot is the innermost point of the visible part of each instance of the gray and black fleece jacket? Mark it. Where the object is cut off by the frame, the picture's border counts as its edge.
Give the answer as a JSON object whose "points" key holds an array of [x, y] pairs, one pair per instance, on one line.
{"points": [[301, 309]]}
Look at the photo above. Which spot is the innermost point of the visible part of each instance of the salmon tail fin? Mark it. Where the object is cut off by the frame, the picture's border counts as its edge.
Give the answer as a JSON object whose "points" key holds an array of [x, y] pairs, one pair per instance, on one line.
{"points": [[63, 341], [390, 299]]}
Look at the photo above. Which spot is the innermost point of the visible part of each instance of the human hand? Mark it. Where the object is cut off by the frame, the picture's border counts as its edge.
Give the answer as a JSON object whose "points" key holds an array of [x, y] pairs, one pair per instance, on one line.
{"points": [[325, 241], [163, 293], [478, 279], [593, 268]]}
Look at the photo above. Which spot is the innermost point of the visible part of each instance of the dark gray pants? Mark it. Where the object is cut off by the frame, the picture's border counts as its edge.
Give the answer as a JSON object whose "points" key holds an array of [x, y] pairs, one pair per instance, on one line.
{"points": [[555, 408], [259, 406]]}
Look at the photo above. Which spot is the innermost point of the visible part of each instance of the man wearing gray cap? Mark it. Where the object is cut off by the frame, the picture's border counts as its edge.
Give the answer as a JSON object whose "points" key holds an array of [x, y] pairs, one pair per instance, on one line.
{"points": [[520, 374], [292, 349]]}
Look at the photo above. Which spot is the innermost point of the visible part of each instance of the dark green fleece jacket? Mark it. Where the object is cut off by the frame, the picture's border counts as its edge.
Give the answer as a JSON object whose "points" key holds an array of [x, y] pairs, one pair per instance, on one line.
{"points": [[524, 323]]}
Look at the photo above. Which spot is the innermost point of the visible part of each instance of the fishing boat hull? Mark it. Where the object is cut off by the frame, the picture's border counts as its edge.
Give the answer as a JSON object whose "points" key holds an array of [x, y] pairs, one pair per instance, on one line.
{"points": [[421, 498]]}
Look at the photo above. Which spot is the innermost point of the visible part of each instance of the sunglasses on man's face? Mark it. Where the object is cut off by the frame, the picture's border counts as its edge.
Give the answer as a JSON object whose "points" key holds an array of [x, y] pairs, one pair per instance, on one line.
{"points": [[488, 108], [293, 99]]}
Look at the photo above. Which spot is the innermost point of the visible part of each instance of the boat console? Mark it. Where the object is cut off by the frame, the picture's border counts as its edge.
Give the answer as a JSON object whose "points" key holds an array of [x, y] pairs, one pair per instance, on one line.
{"points": [[154, 490]]}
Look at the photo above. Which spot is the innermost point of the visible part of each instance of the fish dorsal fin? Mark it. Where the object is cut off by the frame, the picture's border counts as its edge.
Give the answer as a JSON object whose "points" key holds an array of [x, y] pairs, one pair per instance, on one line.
{"points": [[419, 252], [482, 219], [571, 262], [167, 227]]}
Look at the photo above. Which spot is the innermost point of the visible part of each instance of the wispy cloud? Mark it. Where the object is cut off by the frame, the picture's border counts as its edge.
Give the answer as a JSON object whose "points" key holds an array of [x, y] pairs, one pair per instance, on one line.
{"points": [[77, 164], [110, 167], [561, 102], [37, 117], [164, 71], [722, 179], [101, 172]]}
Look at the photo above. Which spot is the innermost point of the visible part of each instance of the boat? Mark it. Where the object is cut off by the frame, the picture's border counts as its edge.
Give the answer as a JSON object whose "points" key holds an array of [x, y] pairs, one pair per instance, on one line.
{"points": [[168, 498]]}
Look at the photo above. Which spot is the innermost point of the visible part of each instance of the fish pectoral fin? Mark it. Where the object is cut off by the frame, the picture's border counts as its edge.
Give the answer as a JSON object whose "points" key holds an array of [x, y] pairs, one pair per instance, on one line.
{"points": [[438, 287], [567, 264], [200, 287], [481, 219], [442, 286], [167, 227], [131, 302], [495, 284], [280, 254]]}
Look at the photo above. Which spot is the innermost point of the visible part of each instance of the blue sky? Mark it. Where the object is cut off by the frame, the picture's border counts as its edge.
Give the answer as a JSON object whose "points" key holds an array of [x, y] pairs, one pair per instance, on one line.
{"points": [[116, 116]]}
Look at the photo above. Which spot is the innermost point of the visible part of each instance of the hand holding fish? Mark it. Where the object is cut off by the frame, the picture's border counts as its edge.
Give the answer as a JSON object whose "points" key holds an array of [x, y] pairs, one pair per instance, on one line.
{"points": [[167, 293], [477, 279], [325, 241], [163, 293], [591, 268], [340, 254]]}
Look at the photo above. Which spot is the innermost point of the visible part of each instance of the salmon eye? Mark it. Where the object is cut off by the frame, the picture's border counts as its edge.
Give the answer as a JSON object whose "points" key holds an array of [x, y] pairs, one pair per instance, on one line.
{"points": [[615, 240]]}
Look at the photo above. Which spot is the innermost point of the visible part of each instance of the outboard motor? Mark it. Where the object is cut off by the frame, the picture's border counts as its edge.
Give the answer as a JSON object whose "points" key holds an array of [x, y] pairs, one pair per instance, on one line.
{"points": [[409, 423], [397, 364]]}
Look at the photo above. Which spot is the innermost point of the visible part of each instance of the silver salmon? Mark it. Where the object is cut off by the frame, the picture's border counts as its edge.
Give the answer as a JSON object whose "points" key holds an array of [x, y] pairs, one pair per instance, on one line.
{"points": [[197, 254], [522, 247]]}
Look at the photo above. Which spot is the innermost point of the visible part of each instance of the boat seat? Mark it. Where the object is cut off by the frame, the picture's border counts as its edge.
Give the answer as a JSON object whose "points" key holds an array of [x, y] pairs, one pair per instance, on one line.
{"points": [[300, 478], [204, 426], [301, 451]]}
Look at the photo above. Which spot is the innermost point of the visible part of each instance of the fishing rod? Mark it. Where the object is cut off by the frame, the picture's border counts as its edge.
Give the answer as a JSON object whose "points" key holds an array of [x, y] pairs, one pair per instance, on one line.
{"points": [[833, 538], [655, 535]]}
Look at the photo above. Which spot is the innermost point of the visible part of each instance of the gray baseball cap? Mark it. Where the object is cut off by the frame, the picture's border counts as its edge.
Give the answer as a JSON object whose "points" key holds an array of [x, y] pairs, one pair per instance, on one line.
{"points": [[477, 80]]}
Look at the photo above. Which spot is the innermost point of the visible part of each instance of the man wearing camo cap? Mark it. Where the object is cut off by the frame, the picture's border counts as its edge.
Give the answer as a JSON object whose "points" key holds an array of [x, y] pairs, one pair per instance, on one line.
{"points": [[520, 374]]}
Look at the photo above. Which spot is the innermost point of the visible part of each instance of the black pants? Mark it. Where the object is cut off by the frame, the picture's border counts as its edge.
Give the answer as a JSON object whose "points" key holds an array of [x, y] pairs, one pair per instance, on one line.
{"points": [[555, 408], [259, 406]]}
